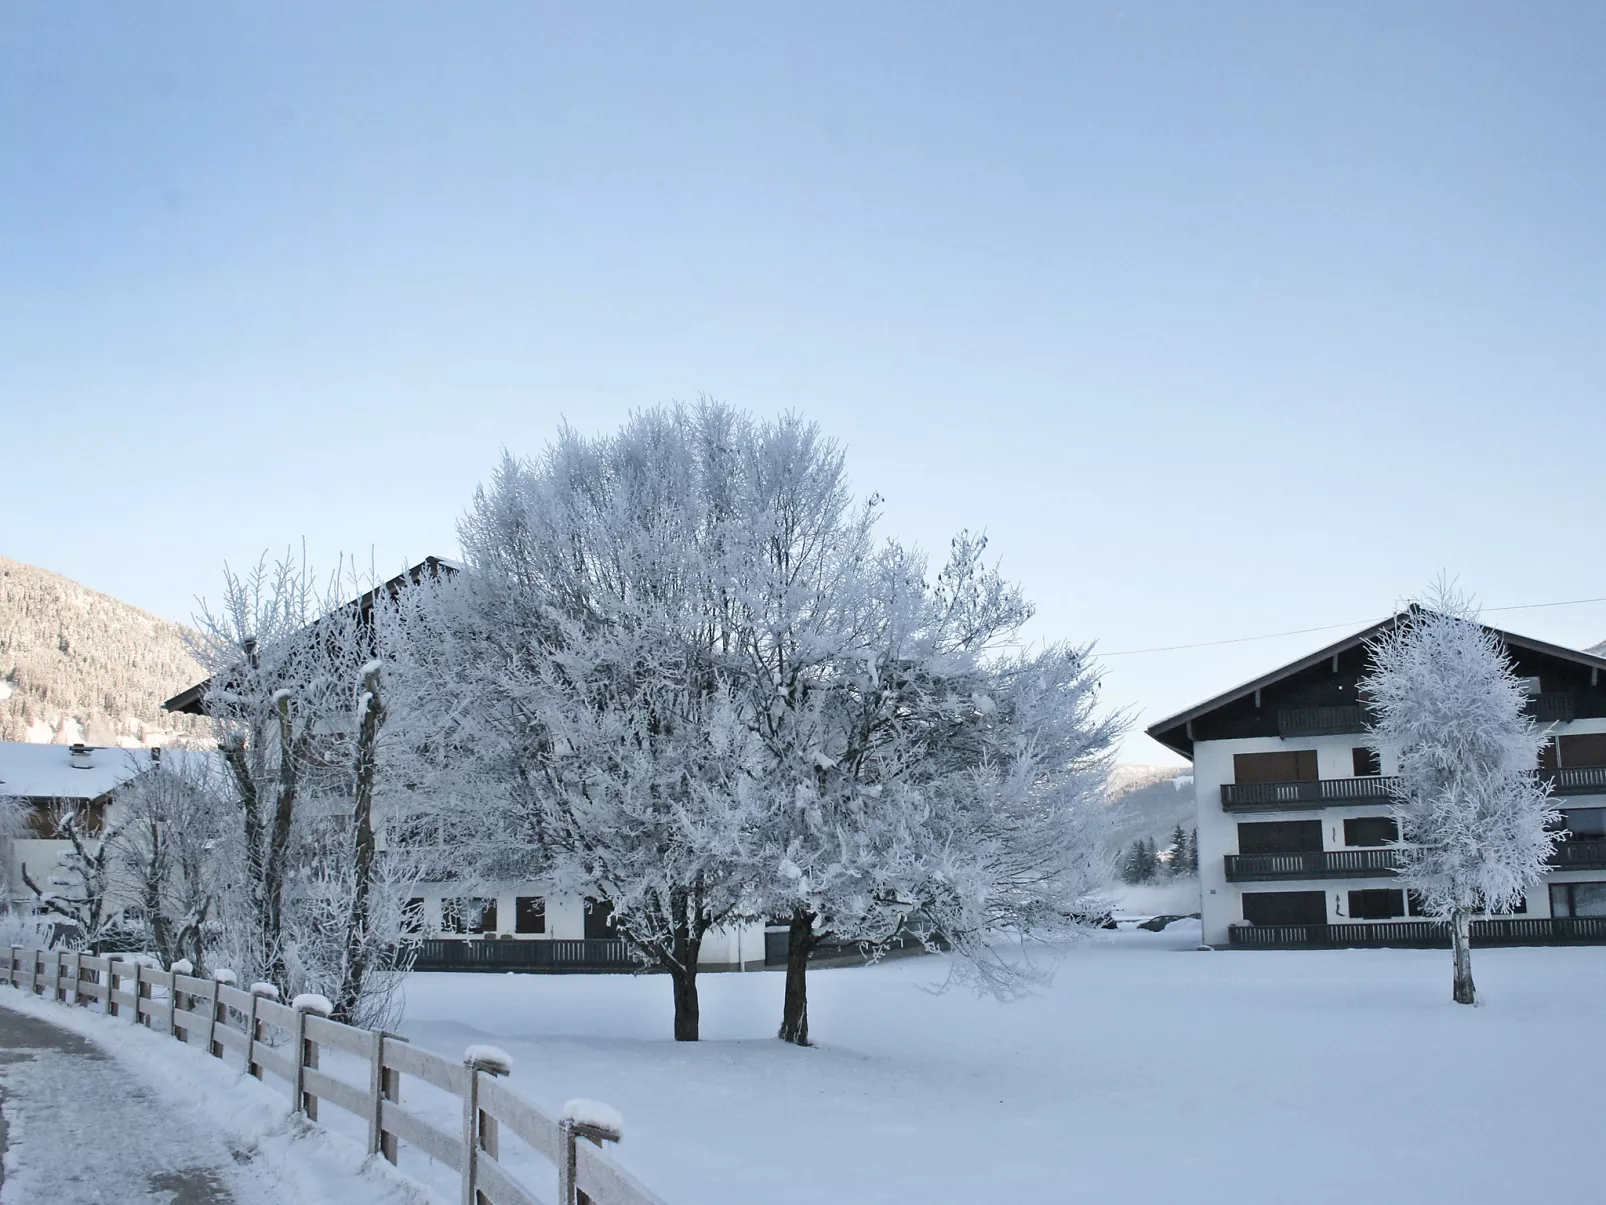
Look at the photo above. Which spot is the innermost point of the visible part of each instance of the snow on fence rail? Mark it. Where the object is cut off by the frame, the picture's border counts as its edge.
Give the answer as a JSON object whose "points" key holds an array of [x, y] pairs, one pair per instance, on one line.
{"points": [[219, 1017]]}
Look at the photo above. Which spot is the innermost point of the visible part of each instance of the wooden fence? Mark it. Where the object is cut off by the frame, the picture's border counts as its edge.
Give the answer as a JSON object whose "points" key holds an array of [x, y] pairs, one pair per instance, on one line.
{"points": [[285, 1042]]}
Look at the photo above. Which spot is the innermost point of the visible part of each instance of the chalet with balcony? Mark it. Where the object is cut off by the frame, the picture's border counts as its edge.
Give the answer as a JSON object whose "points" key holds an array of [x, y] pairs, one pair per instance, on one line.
{"points": [[1295, 835]]}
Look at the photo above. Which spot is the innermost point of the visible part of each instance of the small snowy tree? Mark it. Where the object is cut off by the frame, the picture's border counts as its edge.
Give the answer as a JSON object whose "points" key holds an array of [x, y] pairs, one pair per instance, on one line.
{"points": [[1141, 865], [164, 854], [1476, 826], [1177, 859], [80, 890]]}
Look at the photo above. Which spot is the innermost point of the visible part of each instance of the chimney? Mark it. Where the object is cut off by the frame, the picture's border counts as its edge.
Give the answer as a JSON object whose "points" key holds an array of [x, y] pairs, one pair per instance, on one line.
{"points": [[80, 756]]}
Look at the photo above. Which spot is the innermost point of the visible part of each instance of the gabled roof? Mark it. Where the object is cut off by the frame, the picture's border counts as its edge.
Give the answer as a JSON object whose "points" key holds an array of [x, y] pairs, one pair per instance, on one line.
{"points": [[46, 771], [431, 566], [1171, 731]]}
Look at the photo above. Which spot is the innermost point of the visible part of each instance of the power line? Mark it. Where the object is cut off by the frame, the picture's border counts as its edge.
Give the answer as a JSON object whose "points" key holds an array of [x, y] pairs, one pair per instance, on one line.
{"points": [[1204, 644]]}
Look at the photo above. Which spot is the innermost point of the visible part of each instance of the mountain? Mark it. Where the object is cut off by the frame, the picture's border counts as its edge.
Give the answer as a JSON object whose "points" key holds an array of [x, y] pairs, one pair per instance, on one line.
{"points": [[77, 665], [1598, 649], [1149, 802]]}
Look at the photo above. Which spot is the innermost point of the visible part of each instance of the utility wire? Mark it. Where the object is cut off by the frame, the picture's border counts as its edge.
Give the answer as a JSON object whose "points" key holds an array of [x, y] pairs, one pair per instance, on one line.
{"points": [[1205, 644]]}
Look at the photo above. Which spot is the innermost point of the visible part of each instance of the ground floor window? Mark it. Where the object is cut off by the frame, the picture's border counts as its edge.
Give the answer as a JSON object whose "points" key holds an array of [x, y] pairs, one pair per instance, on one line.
{"points": [[529, 914], [413, 916], [1578, 899], [468, 915], [1584, 824], [1378, 903], [1285, 907], [599, 920]]}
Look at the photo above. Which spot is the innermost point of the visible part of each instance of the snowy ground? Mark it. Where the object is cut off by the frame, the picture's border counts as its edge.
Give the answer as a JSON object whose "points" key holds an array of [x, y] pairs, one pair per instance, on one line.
{"points": [[98, 1110], [1148, 1071]]}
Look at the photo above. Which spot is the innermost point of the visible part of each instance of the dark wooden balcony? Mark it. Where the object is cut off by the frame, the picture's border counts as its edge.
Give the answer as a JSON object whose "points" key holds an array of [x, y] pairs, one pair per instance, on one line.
{"points": [[1579, 780], [1579, 855], [1426, 934], [1320, 721], [1557, 708], [1312, 864], [1293, 796]]}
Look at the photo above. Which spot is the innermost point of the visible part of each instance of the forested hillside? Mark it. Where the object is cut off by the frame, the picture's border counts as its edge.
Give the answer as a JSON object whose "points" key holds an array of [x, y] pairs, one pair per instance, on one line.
{"points": [[79, 665]]}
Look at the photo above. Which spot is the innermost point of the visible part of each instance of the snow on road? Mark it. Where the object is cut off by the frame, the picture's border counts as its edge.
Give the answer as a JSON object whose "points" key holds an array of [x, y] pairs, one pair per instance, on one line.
{"points": [[98, 1110], [1149, 1071]]}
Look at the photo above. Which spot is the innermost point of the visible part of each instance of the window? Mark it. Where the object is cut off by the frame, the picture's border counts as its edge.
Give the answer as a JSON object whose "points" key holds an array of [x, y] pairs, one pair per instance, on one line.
{"points": [[1285, 907], [1383, 903], [1371, 830], [471, 915], [412, 917], [529, 914], [1547, 758], [599, 919], [1367, 763], [1578, 899], [1298, 765], [1280, 837], [1584, 824], [1586, 749], [1530, 686]]}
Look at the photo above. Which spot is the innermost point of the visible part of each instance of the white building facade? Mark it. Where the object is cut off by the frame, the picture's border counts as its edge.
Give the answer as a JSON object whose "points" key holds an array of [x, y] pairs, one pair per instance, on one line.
{"points": [[1295, 836]]}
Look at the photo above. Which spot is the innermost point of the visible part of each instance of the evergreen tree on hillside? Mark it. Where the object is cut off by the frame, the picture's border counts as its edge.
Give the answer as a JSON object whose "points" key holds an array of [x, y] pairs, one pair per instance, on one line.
{"points": [[1177, 858], [1193, 853], [1142, 865]]}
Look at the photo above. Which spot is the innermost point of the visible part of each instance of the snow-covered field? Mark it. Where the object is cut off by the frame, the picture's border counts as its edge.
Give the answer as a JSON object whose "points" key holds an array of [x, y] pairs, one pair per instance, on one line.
{"points": [[1149, 1071]]}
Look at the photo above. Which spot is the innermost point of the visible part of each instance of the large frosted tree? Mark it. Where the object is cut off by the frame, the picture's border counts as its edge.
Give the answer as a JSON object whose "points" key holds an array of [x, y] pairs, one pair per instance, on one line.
{"points": [[691, 684], [1475, 821]]}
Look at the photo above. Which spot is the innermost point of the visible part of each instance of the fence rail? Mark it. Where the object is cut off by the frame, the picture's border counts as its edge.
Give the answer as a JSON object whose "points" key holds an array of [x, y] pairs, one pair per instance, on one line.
{"points": [[285, 1041], [1496, 931]]}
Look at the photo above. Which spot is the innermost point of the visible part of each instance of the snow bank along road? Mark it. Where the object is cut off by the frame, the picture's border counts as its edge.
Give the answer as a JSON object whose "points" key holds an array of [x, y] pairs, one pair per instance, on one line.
{"points": [[97, 1110]]}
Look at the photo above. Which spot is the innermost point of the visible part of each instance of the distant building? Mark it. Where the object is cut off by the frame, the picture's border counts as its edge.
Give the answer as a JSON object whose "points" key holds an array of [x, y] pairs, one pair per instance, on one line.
{"points": [[485, 926], [1293, 812], [50, 781]]}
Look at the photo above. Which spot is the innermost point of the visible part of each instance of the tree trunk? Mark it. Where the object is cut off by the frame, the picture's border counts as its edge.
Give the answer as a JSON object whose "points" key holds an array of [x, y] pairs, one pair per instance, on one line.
{"points": [[1461, 936], [279, 848], [687, 1017], [357, 922], [801, 941]]}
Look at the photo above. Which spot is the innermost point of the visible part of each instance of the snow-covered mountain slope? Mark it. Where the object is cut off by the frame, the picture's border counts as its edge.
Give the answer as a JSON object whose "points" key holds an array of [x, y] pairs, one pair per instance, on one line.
{"points": [[77, 665], [1598, 649], [1150, 801]]}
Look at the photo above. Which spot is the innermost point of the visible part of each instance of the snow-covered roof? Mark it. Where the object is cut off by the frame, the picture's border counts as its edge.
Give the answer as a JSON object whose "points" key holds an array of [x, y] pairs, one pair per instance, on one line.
{"points": [[47, 770]]}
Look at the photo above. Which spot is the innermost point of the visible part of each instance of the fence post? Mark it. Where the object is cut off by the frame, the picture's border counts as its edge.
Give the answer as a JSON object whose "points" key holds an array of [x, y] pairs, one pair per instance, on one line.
{"points": [[142, 991], [376, 1072], [252, 1032], [566, 1162], [389, 1089], [111, 984], [80, 998], [479, 1128], [38, 976], [298, 1056], [215, 1012]]}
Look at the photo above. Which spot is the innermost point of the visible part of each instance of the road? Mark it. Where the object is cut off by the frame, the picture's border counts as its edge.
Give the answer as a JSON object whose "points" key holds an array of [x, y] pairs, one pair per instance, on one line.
{"points": [[77, 1129]]}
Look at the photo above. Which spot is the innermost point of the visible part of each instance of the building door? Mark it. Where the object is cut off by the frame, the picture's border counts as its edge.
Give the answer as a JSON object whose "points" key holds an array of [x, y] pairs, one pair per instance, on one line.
{"points": [[1285, 907], [599, 920]]}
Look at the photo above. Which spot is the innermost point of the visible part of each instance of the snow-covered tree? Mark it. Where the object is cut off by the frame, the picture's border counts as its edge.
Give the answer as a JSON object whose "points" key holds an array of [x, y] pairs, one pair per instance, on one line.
{"points": [[164, 854], [1476, 825], [305, 902], [705, 695], [1141, 864], [1179, 859], [80, 889]]}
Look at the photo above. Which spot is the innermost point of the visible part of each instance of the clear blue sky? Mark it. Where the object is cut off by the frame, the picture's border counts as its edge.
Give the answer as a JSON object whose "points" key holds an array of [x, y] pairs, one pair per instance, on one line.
{"points": [[1220, 319]]}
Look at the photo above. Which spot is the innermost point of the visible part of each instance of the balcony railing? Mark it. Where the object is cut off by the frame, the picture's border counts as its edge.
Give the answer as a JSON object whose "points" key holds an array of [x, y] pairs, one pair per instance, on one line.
{"points": [[1579, 855], [1291, 796], [1320, 721], [1500, 931], [1557, 708], [1312, 864], [530, 954], [1580, 780]]}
